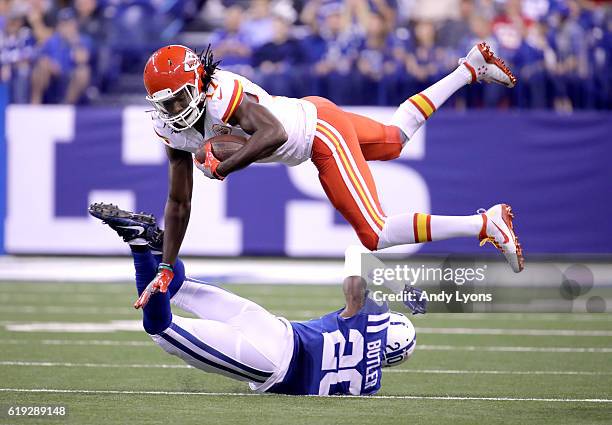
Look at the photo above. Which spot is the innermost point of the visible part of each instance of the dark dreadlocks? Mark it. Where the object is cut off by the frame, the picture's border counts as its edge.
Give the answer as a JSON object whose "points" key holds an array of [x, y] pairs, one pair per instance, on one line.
{"points": [[210, 65]]}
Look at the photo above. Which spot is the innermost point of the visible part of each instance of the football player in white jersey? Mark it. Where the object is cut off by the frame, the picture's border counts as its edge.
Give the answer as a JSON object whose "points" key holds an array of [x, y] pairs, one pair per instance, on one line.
{"points": [[342, 352], [194, 101]]}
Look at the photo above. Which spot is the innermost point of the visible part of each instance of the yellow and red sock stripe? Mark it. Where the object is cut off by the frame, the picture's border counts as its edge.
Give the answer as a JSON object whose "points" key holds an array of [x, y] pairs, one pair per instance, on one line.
{"points": [[422, 227], [423, 104], [235, 100], [362, 190]]}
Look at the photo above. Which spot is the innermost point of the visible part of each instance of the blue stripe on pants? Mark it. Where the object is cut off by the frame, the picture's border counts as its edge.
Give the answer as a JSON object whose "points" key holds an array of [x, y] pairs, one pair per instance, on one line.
{"points": [[198, 357], [204, 347]]}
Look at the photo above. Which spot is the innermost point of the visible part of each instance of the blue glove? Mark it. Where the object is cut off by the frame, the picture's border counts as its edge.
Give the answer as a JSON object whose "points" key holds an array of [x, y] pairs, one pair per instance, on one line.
{"points": [[414, 301]]}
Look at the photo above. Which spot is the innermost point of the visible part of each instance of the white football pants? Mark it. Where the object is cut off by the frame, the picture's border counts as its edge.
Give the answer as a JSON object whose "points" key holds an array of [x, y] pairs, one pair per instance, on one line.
{"points": [[232, 336]]}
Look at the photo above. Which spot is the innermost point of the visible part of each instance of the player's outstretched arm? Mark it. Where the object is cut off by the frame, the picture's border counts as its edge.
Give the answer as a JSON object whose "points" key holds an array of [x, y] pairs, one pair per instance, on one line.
{"points": [[267, 135], [176, 216], [178, 204]]}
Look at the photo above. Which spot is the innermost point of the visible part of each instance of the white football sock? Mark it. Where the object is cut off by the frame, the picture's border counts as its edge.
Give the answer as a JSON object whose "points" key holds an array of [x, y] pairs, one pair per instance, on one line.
{"points": [[360, 261], [440, 91], [410, 228], [352, 260], [411, 114], [449, 226]]}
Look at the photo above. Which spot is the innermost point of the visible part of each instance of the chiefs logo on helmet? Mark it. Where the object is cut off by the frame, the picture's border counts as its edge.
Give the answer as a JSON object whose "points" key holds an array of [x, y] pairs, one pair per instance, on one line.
{"points": [[191, 60], [173, 77]]}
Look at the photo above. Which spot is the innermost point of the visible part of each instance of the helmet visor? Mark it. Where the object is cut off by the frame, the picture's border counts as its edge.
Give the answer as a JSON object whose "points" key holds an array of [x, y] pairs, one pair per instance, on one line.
{"points": [[181, 109], [178, 102]]}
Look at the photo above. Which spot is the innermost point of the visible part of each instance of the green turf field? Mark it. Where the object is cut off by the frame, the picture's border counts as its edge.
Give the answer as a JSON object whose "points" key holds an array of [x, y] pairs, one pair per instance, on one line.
{"points": [[467, 369]]}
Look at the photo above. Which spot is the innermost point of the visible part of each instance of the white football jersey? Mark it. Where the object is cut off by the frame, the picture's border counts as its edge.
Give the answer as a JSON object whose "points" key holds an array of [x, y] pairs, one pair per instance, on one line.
{"points": [[224, 94]]}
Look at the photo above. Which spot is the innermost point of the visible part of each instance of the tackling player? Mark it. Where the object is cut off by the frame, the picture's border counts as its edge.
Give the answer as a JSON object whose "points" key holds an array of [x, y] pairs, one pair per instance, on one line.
{"points": [[340, 353], [194, 101]]}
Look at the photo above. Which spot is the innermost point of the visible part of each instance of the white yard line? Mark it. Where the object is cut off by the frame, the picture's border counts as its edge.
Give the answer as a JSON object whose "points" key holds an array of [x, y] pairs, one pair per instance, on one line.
{"points": [[425, 347], [508, 331], [422, 371], [25, 288], [499, 372], [126, 310], [104, 270], [95, 365], [511, 349], [135, 325], [224, 394], [49, 309], [77, 327], [86, 342], [536, 317]]}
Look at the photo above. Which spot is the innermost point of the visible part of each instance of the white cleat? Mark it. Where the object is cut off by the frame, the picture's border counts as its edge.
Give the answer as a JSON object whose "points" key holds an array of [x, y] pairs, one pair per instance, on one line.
{"points": [[497, 228], [485, 66]]}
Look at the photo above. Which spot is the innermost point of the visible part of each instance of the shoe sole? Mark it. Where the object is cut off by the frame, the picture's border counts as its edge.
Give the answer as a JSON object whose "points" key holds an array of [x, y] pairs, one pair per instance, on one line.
{"points": [[507, 217], [491, 59], [108, 211]]}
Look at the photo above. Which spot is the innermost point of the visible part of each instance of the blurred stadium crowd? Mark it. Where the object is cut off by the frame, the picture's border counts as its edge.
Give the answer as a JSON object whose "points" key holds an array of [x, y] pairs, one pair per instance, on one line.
{"points": [[365, 52]]}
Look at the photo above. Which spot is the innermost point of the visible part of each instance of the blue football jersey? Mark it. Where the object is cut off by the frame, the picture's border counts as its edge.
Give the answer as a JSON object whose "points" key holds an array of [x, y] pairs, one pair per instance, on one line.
{"points": [[334, 355]]}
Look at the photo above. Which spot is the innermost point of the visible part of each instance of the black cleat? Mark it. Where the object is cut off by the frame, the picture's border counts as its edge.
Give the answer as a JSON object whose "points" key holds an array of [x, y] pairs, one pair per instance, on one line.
{"points": [[130, 225]]}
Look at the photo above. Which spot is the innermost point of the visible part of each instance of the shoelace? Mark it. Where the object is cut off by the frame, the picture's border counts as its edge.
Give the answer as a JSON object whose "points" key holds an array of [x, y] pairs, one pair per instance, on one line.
{"points": [[492, 240]]}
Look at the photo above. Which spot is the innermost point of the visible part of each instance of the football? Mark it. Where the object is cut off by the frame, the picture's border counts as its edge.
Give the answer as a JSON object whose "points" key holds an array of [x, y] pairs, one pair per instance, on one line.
{"points": [[223, 146]]}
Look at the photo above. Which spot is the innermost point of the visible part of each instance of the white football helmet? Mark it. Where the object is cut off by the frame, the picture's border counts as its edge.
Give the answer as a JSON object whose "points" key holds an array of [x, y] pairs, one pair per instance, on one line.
{"points": [[401, 340]]}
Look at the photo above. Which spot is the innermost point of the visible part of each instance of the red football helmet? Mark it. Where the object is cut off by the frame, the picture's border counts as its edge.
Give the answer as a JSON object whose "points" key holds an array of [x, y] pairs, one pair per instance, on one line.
{"points": [[173, 77]]}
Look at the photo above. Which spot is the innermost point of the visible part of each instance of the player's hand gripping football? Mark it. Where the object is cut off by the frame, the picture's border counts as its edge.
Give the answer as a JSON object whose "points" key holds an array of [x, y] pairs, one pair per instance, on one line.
{"points": [[165, 274], [210, 164]]}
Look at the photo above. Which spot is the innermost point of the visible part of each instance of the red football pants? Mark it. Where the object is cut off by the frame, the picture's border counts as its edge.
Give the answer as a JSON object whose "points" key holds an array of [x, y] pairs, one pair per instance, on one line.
{"points": [[343, 143]]}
